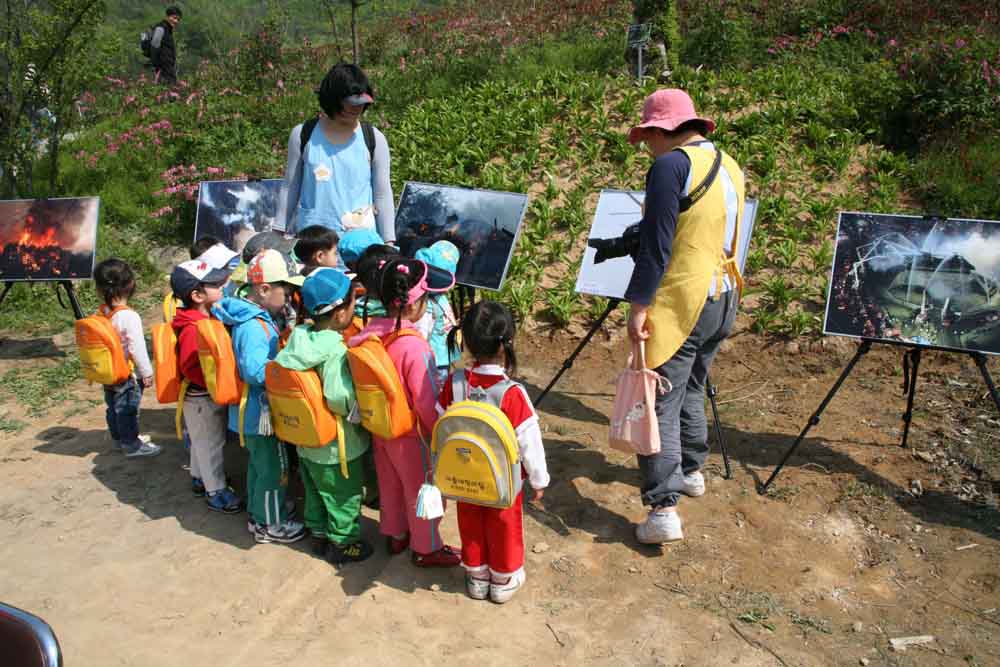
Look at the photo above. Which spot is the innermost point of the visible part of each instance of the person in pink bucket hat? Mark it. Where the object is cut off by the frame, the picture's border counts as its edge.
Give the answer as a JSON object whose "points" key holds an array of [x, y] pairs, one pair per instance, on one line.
{"points": [[683, 293]]}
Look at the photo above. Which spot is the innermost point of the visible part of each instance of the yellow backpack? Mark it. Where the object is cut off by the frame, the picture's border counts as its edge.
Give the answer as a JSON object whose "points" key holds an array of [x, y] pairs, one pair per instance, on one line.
{"points": [[476, 457], [102, 357]]}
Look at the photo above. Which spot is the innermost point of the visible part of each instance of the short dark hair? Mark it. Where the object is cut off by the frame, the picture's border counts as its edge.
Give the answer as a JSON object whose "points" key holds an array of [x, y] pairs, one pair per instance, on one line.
{"points": [[174, 10], [314, 239], [486, 327], [199, 247], [343, 80], [114, 279], [369, 266], [695, 124]]}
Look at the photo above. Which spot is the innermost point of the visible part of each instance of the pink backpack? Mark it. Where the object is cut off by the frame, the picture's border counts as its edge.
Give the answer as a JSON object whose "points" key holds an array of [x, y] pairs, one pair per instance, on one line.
{"points": [[634, 427]]}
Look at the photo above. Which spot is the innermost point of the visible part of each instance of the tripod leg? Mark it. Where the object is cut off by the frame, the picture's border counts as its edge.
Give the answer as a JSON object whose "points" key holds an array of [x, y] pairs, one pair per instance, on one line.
{"points": [[612, 304], [68, 286], [814, 419], [980, 360], [6, 289], [911, 392], [712, 390]]}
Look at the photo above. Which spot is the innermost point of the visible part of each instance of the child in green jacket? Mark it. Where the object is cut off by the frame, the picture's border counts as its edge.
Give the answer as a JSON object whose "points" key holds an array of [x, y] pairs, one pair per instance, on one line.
{"points": [[332, 499]]}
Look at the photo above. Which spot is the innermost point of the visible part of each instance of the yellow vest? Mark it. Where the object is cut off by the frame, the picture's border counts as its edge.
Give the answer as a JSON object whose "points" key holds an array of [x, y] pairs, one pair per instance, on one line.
{"points": [[696, 259]]}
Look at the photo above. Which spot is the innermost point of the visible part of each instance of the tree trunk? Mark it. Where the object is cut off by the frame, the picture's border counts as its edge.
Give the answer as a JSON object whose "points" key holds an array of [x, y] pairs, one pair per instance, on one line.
{"points": [[355, 46]]}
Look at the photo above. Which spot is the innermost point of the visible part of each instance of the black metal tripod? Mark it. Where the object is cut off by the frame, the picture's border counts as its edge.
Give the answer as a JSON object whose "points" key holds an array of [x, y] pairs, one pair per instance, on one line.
{"points": [[710, 390], [65, 284]]}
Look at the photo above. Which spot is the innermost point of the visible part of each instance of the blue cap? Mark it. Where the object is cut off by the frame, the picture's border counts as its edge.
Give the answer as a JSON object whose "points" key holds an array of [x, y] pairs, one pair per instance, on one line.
{"points": [[443, 255], [354, 243], [325, 289]]}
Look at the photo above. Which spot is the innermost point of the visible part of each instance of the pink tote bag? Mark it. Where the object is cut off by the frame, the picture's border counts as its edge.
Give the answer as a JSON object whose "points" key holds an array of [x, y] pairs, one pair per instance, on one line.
{"points": [[634, 427]]}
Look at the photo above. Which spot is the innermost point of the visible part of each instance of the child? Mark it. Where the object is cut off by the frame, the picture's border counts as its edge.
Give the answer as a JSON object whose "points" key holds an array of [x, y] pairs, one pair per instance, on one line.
{"points": [[115, 284], [198, 283], [255, 342], [439, 319], [368, 267], [353, 245], [492, 539], [316, 247], [402, 463], [332, 500]]}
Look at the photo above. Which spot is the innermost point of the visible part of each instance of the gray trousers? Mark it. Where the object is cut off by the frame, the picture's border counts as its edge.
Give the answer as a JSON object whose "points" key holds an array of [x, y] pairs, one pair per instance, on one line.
{"points": [[206, 425], [681, 411]]}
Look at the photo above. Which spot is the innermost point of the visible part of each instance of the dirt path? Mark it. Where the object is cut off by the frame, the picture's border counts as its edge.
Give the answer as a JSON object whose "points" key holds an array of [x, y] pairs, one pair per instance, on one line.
{"points": [[846, 552]]}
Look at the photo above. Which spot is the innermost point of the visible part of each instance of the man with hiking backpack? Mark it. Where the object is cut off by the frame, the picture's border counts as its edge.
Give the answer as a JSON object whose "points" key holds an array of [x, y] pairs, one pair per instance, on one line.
{"points": [[338, 165], [160, 47], [683, 294]]}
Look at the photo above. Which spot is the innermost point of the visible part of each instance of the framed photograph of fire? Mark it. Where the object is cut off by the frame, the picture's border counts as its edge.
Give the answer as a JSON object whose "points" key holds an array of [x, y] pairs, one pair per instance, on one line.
{"points": [[484, 224], [233, 211], [48, 239], [608, 260], [924, 281]]}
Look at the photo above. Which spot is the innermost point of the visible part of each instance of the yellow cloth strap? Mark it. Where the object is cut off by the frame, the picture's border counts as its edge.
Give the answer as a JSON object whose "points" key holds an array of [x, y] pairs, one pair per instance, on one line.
{"points": [[243, 410], [178, 414], [341, 447]]}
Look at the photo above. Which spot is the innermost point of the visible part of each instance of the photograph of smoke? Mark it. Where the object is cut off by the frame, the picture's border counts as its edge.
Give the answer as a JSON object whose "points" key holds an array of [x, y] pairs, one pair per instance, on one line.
{"points": [[933, 282], [484, 224], [233, 211], [48, 239]]}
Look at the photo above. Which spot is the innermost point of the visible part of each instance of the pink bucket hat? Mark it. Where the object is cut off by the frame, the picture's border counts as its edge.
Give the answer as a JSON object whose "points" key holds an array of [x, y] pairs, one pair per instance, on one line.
{"points": [[667, 109]]}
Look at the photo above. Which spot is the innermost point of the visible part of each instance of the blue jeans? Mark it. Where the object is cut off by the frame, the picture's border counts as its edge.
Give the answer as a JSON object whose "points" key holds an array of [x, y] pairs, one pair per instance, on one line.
{"points": [[681, 411], [123, 413]]}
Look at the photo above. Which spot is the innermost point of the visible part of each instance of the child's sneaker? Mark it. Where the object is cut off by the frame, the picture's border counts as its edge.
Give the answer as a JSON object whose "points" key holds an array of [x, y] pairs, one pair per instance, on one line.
{"points": [[338, 554], [478, 587], [117, 444], [251, 526], [694, 484], [660, 527], [197, 487], [502, 590], [320, 544], [144, 449], [224, 501], [444, 557], [283, 533]]}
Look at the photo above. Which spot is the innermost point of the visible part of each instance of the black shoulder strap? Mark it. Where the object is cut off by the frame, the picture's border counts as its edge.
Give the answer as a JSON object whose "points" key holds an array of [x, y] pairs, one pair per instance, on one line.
{"points": [[368, 130], [307, 130], [699, 192]]}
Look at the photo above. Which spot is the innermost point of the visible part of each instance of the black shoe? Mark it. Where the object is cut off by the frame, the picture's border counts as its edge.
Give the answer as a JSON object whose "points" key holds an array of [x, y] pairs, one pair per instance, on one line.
{"points": [[338, 554], [320, 545], [198, 487]]}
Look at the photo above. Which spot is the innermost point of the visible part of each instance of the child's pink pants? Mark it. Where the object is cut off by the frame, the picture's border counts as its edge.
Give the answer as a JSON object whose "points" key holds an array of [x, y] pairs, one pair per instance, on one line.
{"points": [[402, 465]]}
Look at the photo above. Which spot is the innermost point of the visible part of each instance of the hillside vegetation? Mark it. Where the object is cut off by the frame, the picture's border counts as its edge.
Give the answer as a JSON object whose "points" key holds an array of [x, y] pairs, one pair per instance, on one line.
{"points": [[874, 105]]}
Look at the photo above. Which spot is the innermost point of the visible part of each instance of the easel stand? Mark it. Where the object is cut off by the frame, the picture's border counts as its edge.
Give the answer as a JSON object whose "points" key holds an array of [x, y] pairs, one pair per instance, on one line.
{"points": [[70, 295], [911, 365], [710, 389]]}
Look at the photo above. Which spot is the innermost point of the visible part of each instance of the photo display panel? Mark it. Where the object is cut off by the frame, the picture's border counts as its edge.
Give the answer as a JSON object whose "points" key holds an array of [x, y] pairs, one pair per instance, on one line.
{"points": [[48, 239], [483, 224], [923, 281], [233, 211], [607, 264]]}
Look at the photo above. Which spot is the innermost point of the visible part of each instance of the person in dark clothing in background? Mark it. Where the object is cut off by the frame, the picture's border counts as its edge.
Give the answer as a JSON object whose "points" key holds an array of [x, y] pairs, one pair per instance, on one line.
{"points": [[163, 53]]}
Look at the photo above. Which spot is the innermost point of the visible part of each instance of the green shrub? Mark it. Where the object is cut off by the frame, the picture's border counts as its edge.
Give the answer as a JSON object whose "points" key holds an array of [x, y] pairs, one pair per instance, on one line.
{"points": [[957, 176]]}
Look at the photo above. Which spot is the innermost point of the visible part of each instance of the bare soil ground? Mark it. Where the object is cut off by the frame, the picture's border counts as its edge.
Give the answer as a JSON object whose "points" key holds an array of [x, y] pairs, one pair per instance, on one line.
{"points": [[860, 540]]}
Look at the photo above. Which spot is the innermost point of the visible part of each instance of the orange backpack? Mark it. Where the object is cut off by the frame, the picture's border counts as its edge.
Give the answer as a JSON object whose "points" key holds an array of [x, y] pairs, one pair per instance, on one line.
{"points": [[353, 329], [382, 401], [170, 386], [102, 357]]}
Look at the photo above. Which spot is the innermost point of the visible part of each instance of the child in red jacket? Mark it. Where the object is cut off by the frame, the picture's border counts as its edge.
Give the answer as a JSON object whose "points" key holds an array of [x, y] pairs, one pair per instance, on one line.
{"points": [[198, 284]]}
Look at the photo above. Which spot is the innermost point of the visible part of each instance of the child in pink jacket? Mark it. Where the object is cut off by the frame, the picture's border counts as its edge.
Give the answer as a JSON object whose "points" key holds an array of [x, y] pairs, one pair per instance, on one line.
{"points": [[402, 463]]}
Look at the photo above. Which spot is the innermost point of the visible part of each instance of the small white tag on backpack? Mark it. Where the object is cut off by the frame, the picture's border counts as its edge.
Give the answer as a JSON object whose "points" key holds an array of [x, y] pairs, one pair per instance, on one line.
{"points": [[429, 503], [355, 415]]}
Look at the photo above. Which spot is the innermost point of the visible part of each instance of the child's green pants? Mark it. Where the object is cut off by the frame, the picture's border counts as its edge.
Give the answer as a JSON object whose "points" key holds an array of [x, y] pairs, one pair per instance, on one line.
{"points": [[333, 502]]}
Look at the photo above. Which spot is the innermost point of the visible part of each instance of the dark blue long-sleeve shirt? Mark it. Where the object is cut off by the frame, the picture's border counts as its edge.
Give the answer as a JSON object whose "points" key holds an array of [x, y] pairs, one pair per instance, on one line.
{"points": [[665, 185]]}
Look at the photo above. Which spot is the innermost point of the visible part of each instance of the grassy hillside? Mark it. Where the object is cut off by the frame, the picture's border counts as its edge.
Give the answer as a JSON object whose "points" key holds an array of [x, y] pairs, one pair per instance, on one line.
{"points": [[828, 106]]}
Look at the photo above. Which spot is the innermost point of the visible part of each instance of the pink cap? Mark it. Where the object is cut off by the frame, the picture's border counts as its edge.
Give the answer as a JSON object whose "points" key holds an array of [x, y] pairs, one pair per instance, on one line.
{"points": [[667, 109]]}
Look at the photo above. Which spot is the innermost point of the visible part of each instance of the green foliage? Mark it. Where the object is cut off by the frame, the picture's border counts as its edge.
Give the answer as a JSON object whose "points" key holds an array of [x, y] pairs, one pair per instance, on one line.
{"points": [[958, 175]]}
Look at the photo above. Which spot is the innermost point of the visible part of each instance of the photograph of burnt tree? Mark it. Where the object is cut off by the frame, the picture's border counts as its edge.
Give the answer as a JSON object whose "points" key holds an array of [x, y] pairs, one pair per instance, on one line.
{"points": [[48, 239]]}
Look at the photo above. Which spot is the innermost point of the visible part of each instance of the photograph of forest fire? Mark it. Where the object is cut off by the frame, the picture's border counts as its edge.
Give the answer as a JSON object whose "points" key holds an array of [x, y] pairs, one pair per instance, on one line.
{"points": [[48, 239]]}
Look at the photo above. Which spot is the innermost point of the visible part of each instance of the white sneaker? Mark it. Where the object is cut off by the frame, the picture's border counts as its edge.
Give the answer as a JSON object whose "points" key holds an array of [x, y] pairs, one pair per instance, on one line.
{"points": [[144, 449], [145, 438], [284, 533], [478, 589], [694, 484], [660, 527], [502, 592]]}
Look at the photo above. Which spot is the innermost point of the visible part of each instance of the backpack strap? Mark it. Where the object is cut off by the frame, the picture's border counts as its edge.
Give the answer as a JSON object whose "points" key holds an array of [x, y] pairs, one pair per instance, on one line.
{"points": [[368, 130], [459, 386], [493, 394], [307, 130], [692, 197]]}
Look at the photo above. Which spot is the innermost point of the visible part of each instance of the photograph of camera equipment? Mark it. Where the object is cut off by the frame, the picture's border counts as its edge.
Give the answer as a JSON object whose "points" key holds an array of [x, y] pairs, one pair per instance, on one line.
{"points": [[924, 281], [483, 224], [48, 239]]}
